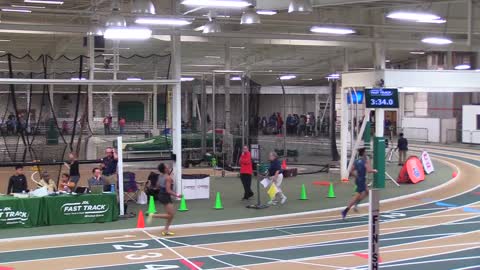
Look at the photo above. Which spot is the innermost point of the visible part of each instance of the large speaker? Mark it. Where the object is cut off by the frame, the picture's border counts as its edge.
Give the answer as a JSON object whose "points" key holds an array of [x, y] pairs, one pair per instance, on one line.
{"points": [[99, 42]]}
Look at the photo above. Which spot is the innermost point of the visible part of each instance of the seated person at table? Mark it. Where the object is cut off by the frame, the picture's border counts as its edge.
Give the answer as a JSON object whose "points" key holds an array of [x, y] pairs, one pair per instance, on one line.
{"points": [[65, 183], [47, 182], [17, 182], [97, 179]]}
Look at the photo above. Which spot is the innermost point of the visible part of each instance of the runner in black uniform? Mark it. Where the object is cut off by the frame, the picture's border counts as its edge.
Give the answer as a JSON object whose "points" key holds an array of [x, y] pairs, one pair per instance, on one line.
{"points": [[165, 186]]}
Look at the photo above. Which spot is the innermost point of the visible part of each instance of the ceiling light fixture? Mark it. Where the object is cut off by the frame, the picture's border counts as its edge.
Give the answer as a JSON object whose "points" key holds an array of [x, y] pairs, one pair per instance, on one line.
{"points": [[134, 79], [287, 77], [212, 27], [236, 78], [331, 30], [249, 16], [212, 56], [51, 2], [143, 7], [187, 79], [217, 3], [300, 6], [334, 76], [116, 20], [417, 52], [16, 10], [463, 67], [20, 6], [437, 41], [96, 30], [267, 12], [123, 33], [438, 21], [163, 21], [421, 17]]}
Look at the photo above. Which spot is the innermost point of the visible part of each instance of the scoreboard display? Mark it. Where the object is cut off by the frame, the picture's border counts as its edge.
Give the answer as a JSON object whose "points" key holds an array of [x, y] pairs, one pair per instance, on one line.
{"points": [[381, 98]]}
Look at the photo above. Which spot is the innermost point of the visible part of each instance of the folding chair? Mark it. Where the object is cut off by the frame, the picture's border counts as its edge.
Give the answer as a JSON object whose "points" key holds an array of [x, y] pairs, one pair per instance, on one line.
{"points": [[130, 187]]}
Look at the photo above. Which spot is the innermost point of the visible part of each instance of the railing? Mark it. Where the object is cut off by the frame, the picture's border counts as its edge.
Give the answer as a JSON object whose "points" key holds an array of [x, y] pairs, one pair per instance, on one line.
{"points": [[415, 134], [463, 136]]}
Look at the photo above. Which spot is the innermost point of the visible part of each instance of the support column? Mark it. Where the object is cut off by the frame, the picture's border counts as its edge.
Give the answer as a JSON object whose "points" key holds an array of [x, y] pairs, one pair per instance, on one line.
{"points": [[344, 123], [343, 133], [203, 115], [155, 131], [227, 140], [378, 162], [317, 112], [110, 103], [91, 76], [177, 111], [449, 60]]}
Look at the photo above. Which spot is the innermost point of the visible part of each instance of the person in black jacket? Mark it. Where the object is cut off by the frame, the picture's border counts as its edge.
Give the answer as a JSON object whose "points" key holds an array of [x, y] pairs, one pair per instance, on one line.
{"points": [[402, 147], [17, 182]]}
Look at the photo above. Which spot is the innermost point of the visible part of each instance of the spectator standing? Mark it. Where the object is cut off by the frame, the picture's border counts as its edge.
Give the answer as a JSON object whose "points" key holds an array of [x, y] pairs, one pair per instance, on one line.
{"points": [[109, 166], [279, 123], [402, 147], [17, 182], [301, 125], [73, 167], [107, 124], [121, 124], [246, 171]]}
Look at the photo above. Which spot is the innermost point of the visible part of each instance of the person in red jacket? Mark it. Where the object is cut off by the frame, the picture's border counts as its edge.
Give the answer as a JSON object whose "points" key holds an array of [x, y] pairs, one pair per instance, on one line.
{"points": [[246, 171]]}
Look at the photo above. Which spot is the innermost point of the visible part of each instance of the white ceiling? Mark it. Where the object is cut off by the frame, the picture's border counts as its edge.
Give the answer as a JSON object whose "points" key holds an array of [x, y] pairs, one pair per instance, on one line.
{"points": [[281, 44]]}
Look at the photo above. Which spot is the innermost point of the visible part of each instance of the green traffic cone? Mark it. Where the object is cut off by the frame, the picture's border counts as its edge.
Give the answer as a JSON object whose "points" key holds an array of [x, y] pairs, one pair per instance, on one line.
{"points": [[331, 191], [151, 206], [183, 205], [303, 193], [218, 202]]}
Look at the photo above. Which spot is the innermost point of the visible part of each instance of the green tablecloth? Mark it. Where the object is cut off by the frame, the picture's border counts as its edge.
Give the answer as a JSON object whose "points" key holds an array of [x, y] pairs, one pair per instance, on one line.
{"points": [[15, 212], [87, 208], [54, 210]]}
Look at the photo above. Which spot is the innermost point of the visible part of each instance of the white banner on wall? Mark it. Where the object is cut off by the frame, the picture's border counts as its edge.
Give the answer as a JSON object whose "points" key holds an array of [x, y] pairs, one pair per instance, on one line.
{"points": [[427, 163]]}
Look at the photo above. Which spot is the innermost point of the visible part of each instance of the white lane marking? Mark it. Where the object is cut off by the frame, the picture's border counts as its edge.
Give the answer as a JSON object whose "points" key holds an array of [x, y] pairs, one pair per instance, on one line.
{"points": [[419, 257], [473, 267], [171, 250], [432, 261], [119, 237], [248, 255], [229, 264], [349, 253]]}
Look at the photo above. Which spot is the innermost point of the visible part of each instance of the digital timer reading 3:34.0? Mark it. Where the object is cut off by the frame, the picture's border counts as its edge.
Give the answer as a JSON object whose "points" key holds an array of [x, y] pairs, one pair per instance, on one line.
{"points": [[378, 98], [382, 101]]}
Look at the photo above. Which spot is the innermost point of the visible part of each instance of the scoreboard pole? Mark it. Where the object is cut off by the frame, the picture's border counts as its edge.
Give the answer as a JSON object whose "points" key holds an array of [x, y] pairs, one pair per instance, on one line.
{"points": [[374, 195]]}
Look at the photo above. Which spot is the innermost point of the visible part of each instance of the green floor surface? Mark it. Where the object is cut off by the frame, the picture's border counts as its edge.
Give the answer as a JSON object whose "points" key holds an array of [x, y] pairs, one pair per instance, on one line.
{"points": [[231, 190]]}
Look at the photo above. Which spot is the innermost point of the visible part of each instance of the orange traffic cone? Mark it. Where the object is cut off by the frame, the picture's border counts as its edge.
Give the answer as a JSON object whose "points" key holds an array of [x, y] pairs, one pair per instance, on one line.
{"points": [[141, 220], [284, 164]]}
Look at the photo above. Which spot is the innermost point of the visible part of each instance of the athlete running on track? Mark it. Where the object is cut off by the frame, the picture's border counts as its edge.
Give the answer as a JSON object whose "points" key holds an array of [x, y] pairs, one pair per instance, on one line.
{"points": [[360, 168]]}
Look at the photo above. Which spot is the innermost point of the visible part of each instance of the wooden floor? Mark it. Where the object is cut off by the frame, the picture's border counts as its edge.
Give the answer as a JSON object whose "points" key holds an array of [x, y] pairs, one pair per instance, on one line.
{"points": [[439, 228]]}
